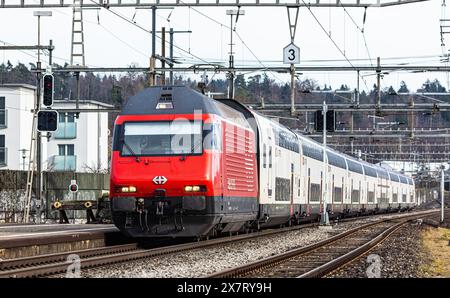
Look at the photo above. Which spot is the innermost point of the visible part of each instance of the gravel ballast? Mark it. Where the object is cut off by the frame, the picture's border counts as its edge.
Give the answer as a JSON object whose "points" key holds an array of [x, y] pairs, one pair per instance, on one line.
{"points": [[399, 256], [202, 262]]}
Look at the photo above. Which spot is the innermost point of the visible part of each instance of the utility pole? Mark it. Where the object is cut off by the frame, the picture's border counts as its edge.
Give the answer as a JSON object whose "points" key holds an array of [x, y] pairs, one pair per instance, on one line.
{"points": [[171, 56], [38, 107], [324, 218], [163, 54], [378, 104], [153, 57], [291, 54], [442, 194], [231, 13]]}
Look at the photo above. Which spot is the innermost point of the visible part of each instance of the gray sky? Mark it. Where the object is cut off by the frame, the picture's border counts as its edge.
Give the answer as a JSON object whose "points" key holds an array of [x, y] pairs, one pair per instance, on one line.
{"points": [[410, 30]]}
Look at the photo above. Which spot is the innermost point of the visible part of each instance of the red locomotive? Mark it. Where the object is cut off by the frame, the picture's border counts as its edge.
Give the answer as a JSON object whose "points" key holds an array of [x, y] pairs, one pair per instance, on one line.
{"points": [[173, 150]]}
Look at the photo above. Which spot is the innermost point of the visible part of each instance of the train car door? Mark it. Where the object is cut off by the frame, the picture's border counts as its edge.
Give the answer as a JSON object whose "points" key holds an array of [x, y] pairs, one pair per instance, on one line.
{"points": [[270, 162]]}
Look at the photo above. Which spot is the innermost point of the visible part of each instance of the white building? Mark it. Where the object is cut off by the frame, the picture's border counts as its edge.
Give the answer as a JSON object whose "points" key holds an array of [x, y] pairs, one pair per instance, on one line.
{"points": [[80, 144], [16, 103]]}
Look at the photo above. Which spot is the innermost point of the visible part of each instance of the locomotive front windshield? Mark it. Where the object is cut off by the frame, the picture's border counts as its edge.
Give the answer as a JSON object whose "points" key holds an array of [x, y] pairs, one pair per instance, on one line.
{"points": [[162, 138]]}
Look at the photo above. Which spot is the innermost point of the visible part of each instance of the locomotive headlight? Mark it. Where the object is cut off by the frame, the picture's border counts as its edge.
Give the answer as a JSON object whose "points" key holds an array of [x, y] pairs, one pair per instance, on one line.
{"points": [[194, 188], [128, 189]]}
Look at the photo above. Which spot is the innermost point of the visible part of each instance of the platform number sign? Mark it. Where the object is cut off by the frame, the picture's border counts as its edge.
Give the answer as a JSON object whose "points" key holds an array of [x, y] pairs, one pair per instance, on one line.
{"points": [[291, 54]]}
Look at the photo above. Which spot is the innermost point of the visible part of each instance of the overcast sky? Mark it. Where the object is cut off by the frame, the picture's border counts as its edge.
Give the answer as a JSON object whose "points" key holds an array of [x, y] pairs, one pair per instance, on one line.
{"points": [[410, 30]]}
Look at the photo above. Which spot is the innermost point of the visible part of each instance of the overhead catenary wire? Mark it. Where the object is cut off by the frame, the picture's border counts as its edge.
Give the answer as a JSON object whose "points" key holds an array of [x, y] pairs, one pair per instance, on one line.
{"points": [[148, 31], [334, 42], [237, 34]]}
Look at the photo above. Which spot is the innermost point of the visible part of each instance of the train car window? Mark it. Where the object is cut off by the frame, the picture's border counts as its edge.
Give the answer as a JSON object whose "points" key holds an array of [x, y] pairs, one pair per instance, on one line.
{"points": [[404, 198], [315, 192], [354, 166], [394, 177], [355, 196], [312, 151], [382, 173], [403, 179], [394, 198], [282, 189], [264, 156], [370, 196], [159, 138], [337, 194], [270, 157], [336, 160], [369, 171], [285, 138]]}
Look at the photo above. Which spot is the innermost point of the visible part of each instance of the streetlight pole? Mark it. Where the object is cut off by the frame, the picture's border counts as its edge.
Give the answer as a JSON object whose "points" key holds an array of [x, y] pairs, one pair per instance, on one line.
{"points": [[324, 217], [39, 14]]}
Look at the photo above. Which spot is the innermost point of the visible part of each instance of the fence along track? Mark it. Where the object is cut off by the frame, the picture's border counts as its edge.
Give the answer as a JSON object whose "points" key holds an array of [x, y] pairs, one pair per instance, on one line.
{"points": [[320, 258]]}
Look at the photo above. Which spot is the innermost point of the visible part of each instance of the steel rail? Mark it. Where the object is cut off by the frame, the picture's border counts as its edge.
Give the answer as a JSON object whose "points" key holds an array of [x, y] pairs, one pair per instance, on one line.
{"points": [[15, 263], [352, 255], [276, 259], [61, 266]]}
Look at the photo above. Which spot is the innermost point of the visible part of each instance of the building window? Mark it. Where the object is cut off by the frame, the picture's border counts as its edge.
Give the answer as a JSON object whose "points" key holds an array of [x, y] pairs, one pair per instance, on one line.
{"points": [[3, 112], [3, 151], [66, 117], [66, 159], [66, 150], [67, 128]]}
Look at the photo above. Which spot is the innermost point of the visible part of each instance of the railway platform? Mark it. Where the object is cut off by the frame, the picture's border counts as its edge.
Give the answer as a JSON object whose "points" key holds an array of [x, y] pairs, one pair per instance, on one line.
{"points": [[22, 240]]}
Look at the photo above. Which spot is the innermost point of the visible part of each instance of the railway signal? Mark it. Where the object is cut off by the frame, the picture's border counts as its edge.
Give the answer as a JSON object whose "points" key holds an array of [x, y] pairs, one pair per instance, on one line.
{"points": [[330, 120], [47, 120], [48, 89], [73, 187]]}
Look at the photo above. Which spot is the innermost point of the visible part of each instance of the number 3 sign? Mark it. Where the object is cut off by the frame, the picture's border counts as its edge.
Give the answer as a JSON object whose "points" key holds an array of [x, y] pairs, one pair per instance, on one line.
{"points": [[291, 54]]}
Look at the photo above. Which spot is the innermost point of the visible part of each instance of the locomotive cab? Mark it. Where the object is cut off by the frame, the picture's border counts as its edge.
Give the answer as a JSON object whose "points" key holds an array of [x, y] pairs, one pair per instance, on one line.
{"points": [[167, 165]]}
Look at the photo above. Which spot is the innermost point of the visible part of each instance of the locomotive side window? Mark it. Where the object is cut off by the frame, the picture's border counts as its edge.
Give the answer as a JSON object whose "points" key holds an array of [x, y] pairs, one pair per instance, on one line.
{"points": [[212, 134], [162, 138]]}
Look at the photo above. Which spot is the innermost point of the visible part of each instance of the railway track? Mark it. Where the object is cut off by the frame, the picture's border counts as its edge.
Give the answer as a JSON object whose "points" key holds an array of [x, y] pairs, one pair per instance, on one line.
{"points": [[54, 264], [322, 257]]}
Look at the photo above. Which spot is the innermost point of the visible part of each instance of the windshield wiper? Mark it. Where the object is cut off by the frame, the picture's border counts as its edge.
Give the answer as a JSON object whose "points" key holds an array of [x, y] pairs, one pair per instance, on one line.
{"points": [[131, 151], [195, 145]]}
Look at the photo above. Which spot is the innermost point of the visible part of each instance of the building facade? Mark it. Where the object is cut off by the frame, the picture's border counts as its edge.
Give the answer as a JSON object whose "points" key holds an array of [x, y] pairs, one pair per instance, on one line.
{"points": [[16, 118], [80, 144]]}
